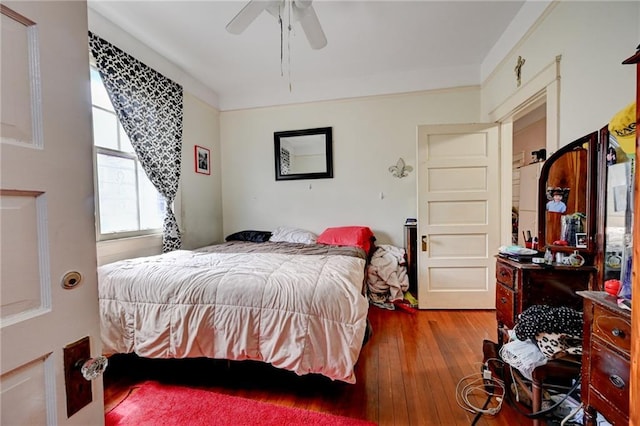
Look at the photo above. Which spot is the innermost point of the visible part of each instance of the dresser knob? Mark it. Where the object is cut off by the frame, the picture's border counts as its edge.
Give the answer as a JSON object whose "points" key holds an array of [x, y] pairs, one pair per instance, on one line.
{"points": [[503, 300], [617, 332], [503, 273], [617, 381]]}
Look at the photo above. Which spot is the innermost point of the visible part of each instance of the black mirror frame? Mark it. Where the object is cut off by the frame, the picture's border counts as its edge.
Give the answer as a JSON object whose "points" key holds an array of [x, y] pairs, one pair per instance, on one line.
{"points": [[327, 132]]}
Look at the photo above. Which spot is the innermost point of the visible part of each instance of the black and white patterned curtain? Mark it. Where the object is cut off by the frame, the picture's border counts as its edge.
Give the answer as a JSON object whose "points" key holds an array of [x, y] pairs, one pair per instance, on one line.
{"points": [[149, 107]]}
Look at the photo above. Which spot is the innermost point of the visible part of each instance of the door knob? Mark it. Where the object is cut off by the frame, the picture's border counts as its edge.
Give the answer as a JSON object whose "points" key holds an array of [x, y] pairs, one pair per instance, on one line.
{"points": [[424, 243], [92, 368]]}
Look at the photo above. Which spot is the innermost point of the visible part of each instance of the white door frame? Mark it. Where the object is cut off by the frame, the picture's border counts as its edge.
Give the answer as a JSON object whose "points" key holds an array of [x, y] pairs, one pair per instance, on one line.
{"points": [[544, 88]]}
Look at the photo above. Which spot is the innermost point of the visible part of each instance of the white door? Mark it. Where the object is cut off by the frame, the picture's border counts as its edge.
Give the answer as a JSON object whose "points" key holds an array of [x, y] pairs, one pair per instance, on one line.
{"points": [[458, 215], [47, 227]]}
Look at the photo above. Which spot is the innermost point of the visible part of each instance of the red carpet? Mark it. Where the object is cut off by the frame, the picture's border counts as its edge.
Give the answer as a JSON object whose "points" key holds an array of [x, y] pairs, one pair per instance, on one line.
{"points": [[155, 404]]}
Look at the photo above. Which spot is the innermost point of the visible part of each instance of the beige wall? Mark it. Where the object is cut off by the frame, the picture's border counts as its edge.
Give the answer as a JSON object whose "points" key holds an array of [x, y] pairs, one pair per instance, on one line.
{"points": [[200, 200], [593, 39], [369, 135], [530, 138]]}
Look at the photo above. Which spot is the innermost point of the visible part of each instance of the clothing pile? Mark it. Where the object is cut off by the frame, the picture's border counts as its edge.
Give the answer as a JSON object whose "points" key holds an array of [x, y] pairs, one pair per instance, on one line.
{"points": [[387, 278], [557, 330], [542, 333]]}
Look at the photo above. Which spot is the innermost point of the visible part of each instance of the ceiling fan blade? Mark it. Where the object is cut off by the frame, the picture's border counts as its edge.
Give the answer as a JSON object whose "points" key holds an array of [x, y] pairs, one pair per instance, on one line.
{"points": [[310, 25], [246, 16], [302, 4]]}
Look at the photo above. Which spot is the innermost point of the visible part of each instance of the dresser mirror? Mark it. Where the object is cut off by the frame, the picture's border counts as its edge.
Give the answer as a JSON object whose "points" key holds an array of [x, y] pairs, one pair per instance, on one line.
{"points": [[616, 209], [567, 198]]}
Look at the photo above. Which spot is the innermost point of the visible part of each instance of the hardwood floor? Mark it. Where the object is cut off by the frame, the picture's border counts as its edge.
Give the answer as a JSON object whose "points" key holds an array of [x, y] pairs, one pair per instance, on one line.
{"points": [[406, 375]]}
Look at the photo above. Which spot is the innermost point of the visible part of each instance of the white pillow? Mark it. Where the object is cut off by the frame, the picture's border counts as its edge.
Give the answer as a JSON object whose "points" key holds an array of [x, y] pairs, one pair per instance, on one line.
{"points": [[293, 235]]}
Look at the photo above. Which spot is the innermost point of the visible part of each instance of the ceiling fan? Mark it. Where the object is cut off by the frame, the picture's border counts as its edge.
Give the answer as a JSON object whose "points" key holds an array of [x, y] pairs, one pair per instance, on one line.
{"points": [[294, 10]]}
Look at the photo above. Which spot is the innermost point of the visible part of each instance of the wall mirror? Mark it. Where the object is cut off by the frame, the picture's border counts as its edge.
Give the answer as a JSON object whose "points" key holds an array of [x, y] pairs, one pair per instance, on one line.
{"points": [[303, 154], [567, 197]]}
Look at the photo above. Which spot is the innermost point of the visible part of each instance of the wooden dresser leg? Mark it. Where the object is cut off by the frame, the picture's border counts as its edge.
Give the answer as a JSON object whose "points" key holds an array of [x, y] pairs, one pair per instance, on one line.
{"points": [[590, 416], [536, 399]]}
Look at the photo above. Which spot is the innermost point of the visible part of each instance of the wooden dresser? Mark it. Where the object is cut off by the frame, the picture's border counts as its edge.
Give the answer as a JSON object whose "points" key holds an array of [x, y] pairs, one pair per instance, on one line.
{"points": [[520, 285], [605, 359]]}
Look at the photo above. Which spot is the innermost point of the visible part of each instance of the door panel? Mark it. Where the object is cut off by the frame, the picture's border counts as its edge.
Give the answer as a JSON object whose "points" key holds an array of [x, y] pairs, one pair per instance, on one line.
{"points": [[26, 383], [457, 212], [450, 179], [46, 210], [19, 217], [458, 215], [451, 246], [455, 278]]}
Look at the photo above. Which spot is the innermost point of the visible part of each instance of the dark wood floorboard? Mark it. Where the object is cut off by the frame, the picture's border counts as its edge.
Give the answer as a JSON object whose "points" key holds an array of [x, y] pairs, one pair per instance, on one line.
{"points": [[406, 375]]}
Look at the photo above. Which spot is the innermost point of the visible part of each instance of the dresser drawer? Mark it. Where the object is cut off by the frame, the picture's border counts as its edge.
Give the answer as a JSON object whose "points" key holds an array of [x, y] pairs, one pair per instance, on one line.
{"points": [[505, 274], [609, 411], [504, 305], [612, 329], [609, 376]]}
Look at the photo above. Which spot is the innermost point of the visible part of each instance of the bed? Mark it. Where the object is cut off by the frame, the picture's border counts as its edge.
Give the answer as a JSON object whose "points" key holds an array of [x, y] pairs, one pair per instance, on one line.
{"points": [[299, 307]]}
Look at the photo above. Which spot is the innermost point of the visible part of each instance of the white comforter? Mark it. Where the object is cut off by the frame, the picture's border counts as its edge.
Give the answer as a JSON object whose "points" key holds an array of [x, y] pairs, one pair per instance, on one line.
{"points": [[301, 313]]}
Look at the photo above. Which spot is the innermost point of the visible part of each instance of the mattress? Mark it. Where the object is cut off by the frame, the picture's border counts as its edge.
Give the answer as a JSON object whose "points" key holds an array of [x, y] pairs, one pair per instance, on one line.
{"points": [[298, 307]]}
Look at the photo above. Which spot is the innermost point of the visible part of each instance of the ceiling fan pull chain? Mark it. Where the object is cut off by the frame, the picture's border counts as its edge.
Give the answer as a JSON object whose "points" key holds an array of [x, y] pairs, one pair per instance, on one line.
{"points": [[281, 45], [289, 43]]}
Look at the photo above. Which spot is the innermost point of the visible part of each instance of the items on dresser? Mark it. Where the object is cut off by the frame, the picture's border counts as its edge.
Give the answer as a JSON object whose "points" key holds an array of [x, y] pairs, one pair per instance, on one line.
{"points": [[606, 358]]}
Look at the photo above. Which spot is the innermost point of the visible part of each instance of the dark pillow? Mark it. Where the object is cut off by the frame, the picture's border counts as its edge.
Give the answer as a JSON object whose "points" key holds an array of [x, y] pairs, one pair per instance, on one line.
{"points": [[253, 236]]}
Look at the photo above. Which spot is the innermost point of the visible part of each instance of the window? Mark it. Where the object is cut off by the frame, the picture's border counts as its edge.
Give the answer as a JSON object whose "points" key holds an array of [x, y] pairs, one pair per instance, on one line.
{"points": [[127, 202]]}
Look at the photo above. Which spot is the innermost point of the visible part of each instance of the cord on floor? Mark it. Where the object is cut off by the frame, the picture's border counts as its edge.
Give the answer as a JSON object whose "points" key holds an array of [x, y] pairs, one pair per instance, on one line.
{"points": [[480, 383]]}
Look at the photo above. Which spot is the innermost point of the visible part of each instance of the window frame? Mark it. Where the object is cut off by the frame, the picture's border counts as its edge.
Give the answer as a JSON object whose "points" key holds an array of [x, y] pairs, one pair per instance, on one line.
{"points": [[100, 150]]}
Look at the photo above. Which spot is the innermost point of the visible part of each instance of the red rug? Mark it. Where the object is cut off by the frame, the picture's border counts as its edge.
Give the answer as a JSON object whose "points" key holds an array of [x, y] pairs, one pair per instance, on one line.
{"points": [[155, 404]]}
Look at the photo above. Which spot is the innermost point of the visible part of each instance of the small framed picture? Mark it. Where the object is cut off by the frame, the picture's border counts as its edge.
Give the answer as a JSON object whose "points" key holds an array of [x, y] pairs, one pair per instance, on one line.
{"points": [[203, 160], [581, 240]]}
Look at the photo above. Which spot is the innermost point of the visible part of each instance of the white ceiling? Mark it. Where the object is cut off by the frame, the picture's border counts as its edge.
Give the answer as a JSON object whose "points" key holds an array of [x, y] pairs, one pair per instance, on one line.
{"points": [[374, 47]]}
